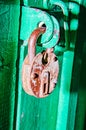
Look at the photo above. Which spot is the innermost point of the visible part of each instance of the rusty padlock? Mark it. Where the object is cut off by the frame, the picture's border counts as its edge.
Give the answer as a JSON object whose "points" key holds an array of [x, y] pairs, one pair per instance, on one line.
{"points": [[39, 72]]}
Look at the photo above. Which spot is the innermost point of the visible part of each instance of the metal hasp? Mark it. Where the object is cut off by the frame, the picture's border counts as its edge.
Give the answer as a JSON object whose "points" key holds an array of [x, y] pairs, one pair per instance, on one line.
{"points": [[53, 5], [40, 72], [32, 18]]}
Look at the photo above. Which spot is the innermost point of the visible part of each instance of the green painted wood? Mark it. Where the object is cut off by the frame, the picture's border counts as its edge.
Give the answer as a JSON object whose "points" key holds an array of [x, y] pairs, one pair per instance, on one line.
{"points": [[34, 113], [77, 106], [80, 121], [64, 94], [65, 108], [52, 112], [9, 24]]}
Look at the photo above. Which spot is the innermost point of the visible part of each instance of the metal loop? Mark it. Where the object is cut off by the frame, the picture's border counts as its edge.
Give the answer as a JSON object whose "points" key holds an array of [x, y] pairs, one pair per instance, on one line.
{"points": [[32, 42]]}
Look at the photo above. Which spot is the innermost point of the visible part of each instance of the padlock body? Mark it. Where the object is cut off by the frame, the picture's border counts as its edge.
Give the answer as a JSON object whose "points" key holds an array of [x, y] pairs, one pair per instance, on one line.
{"points": [[40, 77], [43, 75]]}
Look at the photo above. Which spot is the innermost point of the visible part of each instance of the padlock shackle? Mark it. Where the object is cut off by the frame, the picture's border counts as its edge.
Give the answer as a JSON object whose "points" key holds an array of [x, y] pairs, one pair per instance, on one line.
{"points": [[32, 42]]}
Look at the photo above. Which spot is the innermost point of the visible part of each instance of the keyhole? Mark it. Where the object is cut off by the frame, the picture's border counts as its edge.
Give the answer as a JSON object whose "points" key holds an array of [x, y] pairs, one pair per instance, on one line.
{"points": [[45, 59]]}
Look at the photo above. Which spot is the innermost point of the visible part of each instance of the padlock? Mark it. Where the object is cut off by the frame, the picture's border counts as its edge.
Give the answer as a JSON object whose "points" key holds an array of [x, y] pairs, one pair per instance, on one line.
{"points": [[39, 72]]}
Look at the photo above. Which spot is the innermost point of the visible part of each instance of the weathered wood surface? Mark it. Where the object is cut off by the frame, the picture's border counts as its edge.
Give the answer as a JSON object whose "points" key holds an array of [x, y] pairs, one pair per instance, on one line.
{"points": [[65, 108], [9, 25], [50, 113]]}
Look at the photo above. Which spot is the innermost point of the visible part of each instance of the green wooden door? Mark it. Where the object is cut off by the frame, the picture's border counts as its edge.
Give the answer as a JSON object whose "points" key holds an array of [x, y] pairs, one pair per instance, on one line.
{"points": [[50, 113], [65, 107]]}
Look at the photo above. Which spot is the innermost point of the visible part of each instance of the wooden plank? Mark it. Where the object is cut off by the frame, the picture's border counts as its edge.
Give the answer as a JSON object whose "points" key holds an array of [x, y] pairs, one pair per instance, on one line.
{"points": [[9, 25]]}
